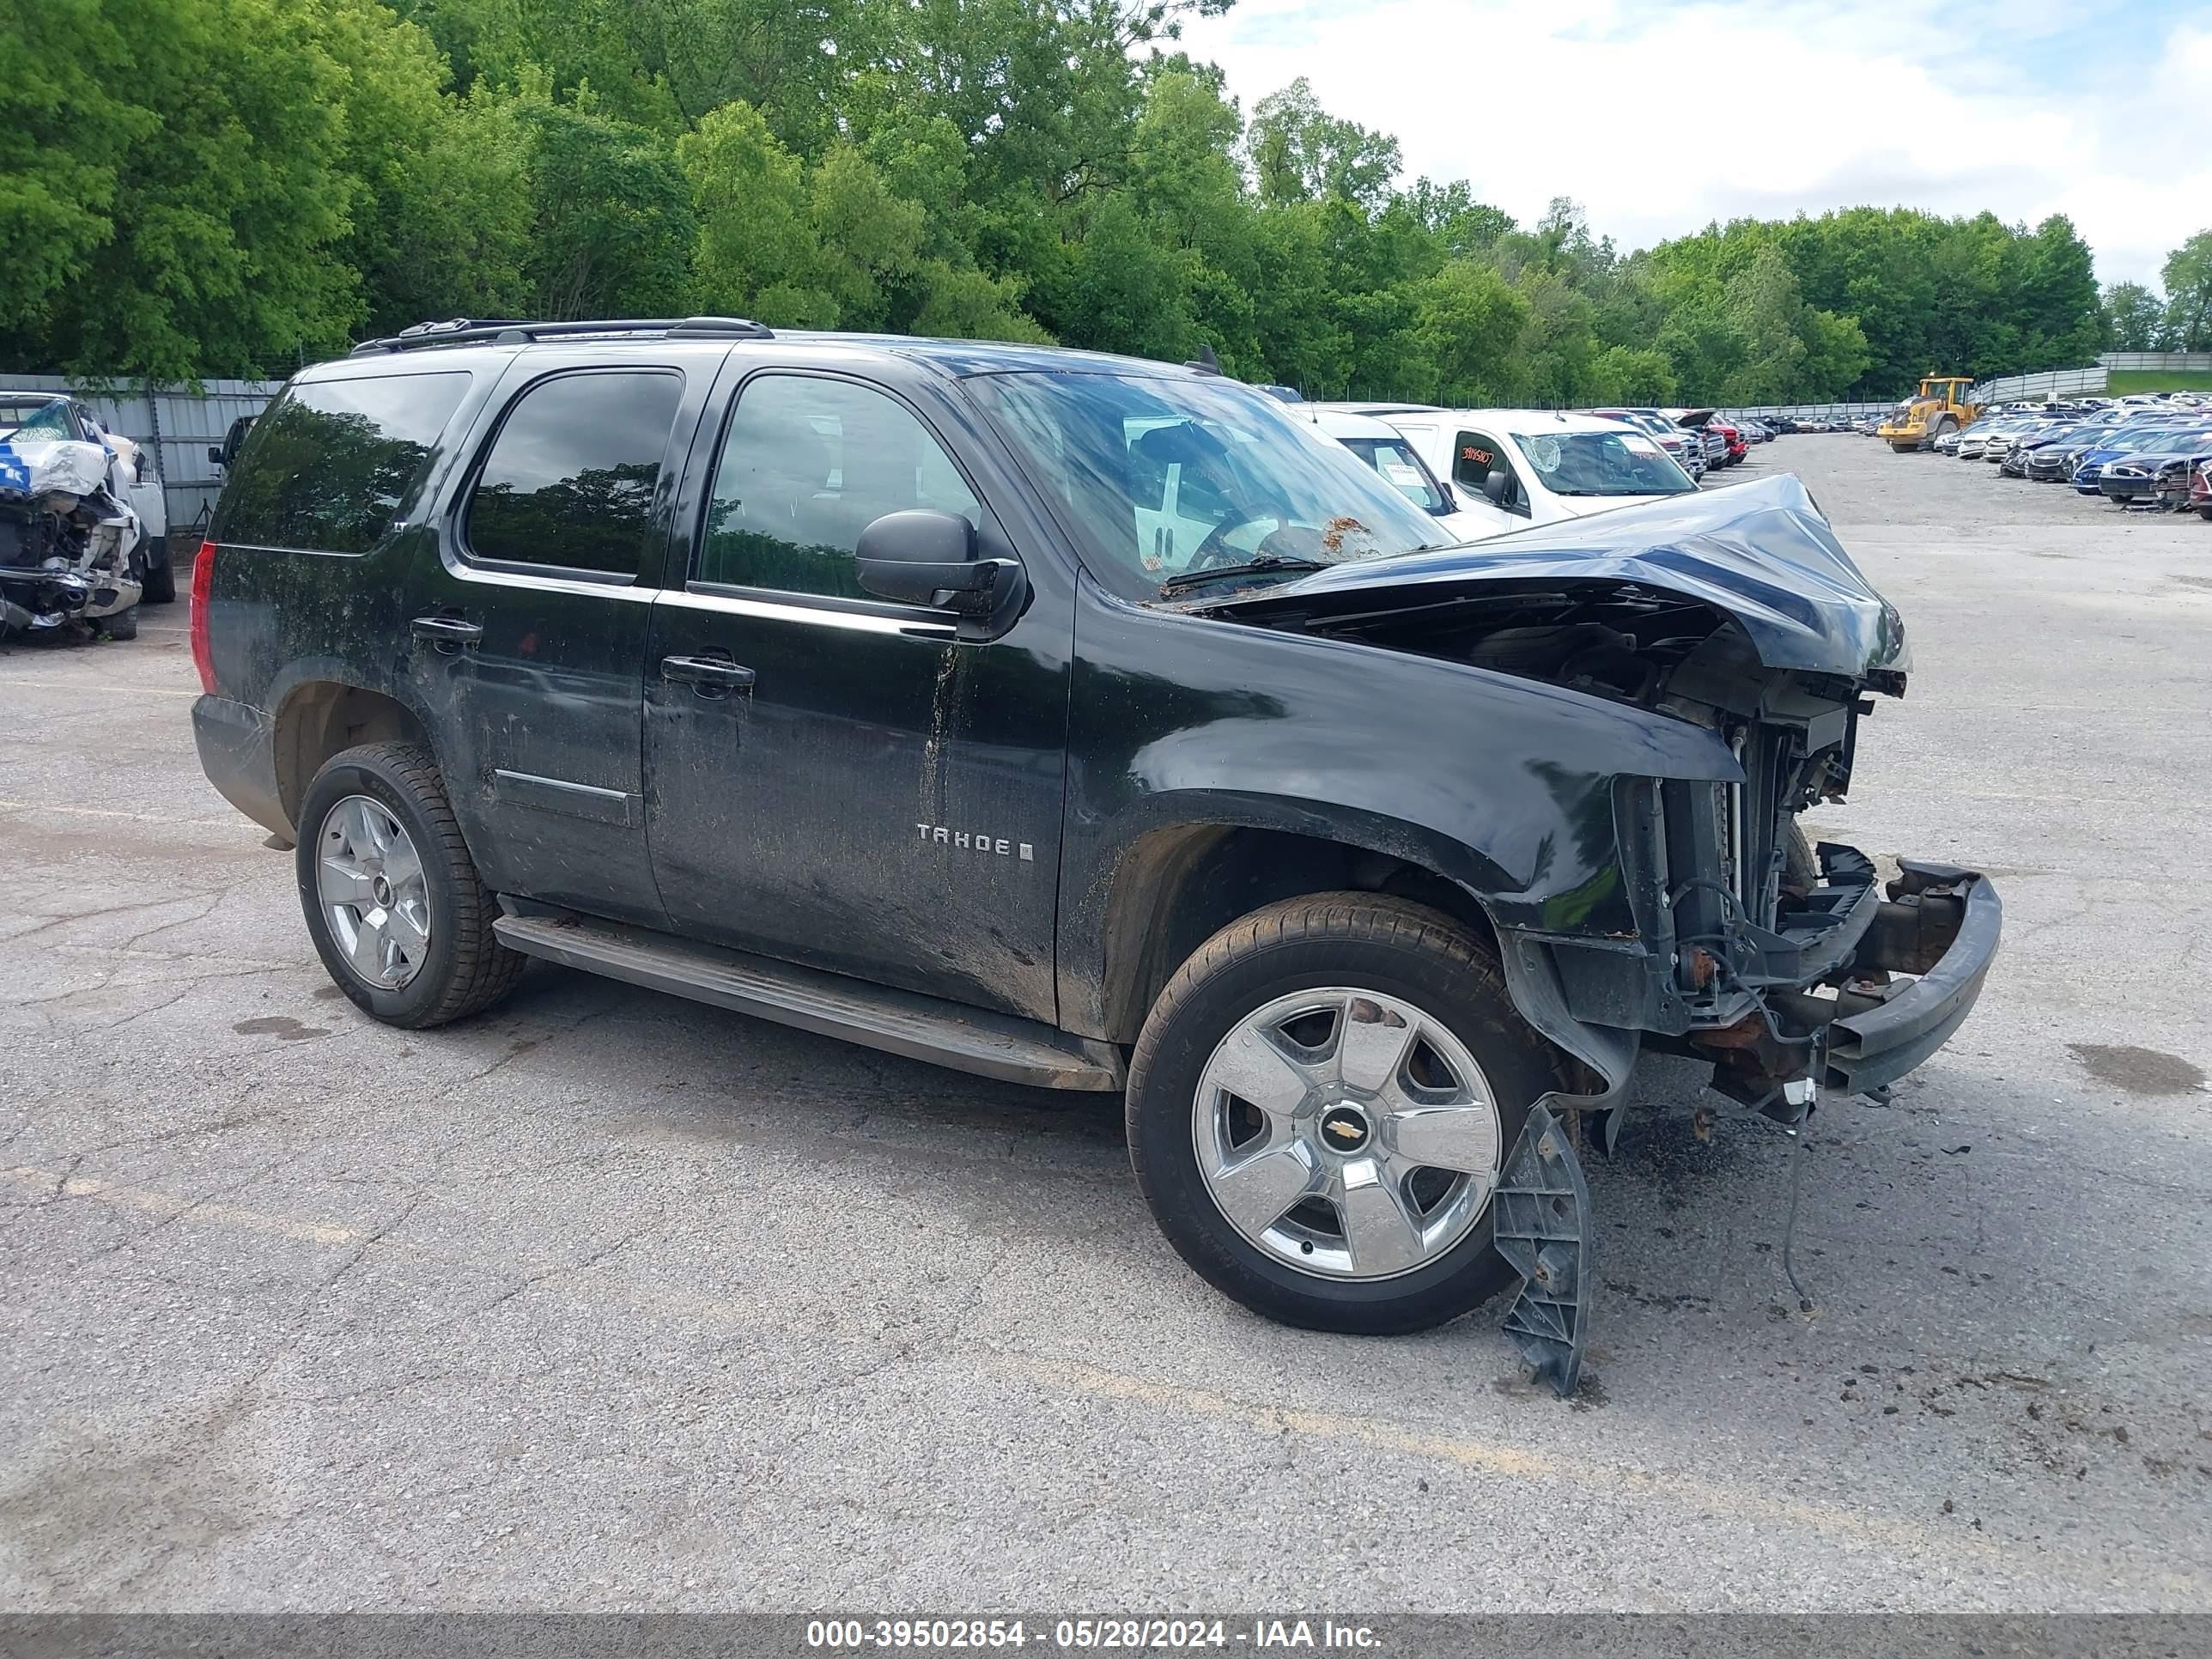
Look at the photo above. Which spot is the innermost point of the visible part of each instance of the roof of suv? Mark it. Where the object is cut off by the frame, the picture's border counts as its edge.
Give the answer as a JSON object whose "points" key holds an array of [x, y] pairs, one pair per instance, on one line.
{"points": [[954, 357]]}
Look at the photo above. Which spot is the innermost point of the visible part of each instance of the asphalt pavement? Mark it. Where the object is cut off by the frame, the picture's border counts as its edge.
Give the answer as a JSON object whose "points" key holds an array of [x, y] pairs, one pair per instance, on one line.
{"points": [[607, 1300]]}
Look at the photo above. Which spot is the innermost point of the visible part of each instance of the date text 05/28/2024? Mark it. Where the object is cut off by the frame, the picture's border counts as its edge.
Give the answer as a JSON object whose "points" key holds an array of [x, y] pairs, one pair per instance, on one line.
{"points": [[1115, 1634]]}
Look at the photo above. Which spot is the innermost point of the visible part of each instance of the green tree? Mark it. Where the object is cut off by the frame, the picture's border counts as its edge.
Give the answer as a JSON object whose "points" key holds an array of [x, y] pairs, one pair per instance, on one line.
{"points": [[1763, 305], [443, 219], [612, 230], [1467, 323], [1638, 378], [176, 186], [757, 255], [2135, 318], [1301, 152], [2188, 274]]}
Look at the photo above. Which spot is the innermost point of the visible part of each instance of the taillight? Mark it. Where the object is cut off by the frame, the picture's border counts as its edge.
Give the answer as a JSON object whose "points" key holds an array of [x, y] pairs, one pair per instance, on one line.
{"points": [[203, 584]]}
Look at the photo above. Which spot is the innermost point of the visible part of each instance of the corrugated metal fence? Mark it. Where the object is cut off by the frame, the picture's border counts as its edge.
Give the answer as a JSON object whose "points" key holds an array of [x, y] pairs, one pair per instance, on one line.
{"points": [[2186, 361], [2049, 383], [175, 425], [1809, 411]]}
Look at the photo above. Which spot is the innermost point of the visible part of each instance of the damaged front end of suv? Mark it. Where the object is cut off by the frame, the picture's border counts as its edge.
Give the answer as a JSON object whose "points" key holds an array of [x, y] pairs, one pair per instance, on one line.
{"points": [[1708, 925]]}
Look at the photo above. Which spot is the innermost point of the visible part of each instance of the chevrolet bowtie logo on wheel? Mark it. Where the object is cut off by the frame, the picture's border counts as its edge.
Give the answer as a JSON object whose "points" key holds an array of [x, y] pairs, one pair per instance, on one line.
{"points": [[1346, 1129]]}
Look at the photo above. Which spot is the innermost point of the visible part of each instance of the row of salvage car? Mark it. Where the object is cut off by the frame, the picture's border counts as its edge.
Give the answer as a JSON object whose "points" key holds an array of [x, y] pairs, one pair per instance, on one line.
{"points": [[2149, 454]]}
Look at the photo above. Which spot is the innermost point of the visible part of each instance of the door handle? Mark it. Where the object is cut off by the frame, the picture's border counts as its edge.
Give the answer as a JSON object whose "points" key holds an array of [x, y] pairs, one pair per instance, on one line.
{"points": [[707, 672], [446, 631]]}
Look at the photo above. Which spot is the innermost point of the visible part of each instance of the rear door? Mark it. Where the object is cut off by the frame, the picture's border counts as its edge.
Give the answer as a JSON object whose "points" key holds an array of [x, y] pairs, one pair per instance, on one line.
{"points": [[529, 649], [832, 779]]}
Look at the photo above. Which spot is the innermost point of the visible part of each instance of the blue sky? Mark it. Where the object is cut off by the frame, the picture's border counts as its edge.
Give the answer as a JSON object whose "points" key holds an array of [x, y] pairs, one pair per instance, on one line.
{"points": [[2102, 111]]}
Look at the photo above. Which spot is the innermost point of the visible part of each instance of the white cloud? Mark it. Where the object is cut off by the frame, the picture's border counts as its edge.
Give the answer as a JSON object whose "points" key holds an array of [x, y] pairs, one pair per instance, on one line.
{"points": [[1658, 120]]}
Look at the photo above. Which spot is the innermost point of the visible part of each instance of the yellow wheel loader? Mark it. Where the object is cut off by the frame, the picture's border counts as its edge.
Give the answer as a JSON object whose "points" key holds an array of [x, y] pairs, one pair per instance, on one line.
{"points": [[1941, 407]]}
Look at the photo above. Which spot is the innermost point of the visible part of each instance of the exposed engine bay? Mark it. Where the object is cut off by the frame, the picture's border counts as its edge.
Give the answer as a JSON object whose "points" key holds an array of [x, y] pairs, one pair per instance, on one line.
{"points": [[71, 547], [1761, 952]]}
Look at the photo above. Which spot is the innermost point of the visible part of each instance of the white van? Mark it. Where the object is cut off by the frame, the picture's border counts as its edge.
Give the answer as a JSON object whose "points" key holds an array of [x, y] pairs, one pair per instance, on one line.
{"points": [[1518, 467], [1392, 454]]}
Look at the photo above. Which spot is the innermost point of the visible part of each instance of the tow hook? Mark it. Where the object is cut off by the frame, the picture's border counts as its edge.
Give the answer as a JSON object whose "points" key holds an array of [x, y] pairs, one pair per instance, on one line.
{"points": [[1542, 1230]]}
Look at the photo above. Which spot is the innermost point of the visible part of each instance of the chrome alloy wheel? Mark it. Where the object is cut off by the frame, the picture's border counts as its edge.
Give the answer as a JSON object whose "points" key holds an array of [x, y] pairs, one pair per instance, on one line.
{"points": [[1347, 1134], [368, 879]]}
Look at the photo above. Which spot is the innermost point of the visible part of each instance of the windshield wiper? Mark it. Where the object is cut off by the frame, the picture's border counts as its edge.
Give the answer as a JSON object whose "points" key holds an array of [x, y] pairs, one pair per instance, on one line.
{"points": [[1265, 562]]}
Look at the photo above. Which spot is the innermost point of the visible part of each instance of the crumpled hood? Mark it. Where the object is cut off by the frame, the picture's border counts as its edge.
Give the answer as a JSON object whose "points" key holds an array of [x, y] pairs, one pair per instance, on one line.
{"points": [[1760, 553]]}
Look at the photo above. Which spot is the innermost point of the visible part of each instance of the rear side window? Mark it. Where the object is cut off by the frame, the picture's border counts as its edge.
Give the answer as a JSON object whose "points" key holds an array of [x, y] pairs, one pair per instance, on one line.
{"points": [[571, 476], [329, 463]]}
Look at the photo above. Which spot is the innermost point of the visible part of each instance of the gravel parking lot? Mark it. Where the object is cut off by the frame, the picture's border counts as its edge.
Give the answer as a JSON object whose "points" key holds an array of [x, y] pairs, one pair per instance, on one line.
{"points": [[609, 1300]]}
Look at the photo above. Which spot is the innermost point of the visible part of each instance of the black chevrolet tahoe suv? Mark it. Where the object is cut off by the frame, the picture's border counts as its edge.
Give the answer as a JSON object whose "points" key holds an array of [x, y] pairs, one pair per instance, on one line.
{"points": [[1086, 722]]}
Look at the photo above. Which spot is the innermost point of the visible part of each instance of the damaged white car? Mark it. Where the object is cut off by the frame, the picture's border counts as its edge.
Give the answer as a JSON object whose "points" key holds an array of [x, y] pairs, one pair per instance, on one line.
{"points": [[72, 547]]}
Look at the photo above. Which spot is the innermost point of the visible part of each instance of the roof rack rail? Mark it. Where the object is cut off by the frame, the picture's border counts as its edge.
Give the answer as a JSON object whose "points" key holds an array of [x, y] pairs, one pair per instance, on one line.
{"points": [[462, 331]]}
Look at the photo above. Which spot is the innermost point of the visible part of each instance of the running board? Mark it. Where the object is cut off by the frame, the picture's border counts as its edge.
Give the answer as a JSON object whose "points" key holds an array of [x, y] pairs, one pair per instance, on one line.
{"points": [[874, 1016]]}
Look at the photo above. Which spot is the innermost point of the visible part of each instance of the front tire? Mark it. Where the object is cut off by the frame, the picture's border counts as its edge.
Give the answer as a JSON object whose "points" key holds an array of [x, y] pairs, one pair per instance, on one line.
{"points": [[1319, 1105], [161, 580], [394, 904]]}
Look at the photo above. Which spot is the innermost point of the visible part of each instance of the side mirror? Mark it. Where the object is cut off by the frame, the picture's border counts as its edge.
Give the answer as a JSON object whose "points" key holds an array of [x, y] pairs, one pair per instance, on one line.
{"points": [[1495, 483], [215, 454], [926, 557]]}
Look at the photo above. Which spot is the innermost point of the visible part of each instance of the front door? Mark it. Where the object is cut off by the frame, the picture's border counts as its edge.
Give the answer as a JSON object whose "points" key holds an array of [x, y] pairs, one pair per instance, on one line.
{"points": [[1437, 447], [831, 779], [1475, 456], [529, 650]]}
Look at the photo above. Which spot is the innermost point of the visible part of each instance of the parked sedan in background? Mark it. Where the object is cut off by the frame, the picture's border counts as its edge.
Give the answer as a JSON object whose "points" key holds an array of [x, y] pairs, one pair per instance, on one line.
{"points": [[2124, 479], [2054, 463], [2053, 435], [1999, 443], [2160, 440]]}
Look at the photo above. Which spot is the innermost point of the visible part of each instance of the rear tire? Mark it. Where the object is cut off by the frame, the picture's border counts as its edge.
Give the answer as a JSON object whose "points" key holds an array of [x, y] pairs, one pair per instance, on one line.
{"points": [[118, 624], [1391, 973], [459, 967]]}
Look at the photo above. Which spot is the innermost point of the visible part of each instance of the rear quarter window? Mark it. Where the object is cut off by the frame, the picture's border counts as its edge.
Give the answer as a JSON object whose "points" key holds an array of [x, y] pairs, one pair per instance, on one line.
{"points": [[328, 463]]}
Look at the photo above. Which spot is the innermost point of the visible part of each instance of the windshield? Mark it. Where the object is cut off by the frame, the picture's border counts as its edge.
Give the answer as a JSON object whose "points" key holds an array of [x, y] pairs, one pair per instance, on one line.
{"points": [[1401, 468], [2174, 443], [44, 420], [1602, 464], [1161, 478]]}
